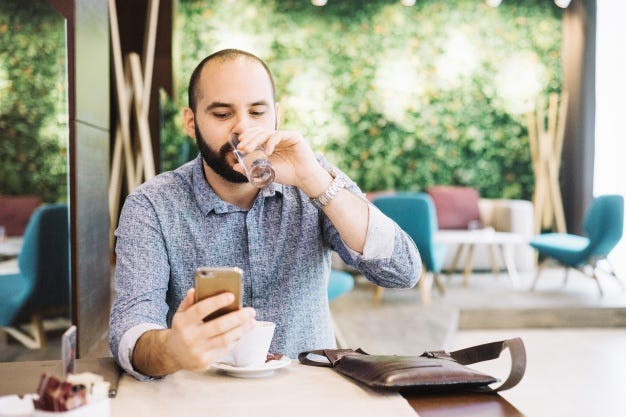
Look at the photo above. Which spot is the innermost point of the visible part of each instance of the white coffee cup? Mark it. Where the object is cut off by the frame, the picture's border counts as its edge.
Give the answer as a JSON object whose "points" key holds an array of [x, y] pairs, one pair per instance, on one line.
{"points": [[252, 348]]}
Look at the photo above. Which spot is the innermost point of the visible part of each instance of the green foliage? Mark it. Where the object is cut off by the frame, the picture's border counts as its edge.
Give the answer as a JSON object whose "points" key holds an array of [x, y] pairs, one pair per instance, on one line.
{"points": [[176, 147], [398, 97], [33, 104]]}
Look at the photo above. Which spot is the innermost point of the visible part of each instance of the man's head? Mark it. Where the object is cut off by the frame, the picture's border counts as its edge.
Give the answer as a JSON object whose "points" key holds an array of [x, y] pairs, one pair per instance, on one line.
{"points": [[193, 92], [229, 91]]}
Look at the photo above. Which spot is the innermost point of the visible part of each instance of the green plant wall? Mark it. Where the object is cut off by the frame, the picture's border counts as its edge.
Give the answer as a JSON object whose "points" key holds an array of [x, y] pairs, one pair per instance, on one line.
{"points": [[33, 100], [399, 97]]}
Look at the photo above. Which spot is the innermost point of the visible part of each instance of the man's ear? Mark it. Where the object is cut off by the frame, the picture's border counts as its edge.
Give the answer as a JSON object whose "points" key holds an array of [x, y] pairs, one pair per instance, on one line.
{"points": [[189, 122]]}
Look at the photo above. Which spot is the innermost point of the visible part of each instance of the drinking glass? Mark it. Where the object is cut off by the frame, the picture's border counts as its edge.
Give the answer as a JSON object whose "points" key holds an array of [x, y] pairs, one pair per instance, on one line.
{"points": [[255, 164]]}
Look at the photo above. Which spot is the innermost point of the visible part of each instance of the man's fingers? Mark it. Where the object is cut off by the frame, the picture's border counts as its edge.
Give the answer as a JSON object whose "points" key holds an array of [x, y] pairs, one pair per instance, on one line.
{"points": [[251, 139], [230, 321], [230, 336], [187, 301], [203, 308]]}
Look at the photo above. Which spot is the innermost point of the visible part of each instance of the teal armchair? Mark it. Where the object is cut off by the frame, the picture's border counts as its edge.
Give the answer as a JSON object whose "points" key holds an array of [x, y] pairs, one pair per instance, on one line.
{"points": [[42, 284], [339, 283], [415, 214], [603, 225]]}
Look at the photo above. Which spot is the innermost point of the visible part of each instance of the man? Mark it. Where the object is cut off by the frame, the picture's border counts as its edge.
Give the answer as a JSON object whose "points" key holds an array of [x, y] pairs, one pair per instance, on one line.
{"points": [[206, 213]]}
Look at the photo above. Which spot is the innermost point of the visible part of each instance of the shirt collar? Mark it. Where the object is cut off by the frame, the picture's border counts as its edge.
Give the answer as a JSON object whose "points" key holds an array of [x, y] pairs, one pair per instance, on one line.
{"points": [[207, 199]]}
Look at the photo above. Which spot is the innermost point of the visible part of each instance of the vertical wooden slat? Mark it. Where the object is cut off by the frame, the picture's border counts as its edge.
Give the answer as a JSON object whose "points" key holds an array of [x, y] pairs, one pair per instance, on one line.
{"points": [[546, 145], [120, 90], [148, 53], [133, 82], [143, 127]]}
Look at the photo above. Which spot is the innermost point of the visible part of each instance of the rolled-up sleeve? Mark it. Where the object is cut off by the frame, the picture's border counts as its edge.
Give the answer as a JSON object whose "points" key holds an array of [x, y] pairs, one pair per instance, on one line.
{"points": [[127, 346], [390, 257]]}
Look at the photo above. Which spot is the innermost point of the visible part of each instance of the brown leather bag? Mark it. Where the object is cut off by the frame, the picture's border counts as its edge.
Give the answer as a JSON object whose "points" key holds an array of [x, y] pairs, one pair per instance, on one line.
{"points": [[431, 371]]}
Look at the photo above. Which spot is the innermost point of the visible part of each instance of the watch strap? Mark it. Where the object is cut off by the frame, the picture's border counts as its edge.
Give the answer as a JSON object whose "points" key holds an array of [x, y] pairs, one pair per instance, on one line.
{"points": [[331, 192]]}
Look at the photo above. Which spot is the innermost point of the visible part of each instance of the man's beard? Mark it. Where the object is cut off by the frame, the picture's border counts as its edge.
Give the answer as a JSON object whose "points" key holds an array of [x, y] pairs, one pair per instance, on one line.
{"points": [[217, 160]]}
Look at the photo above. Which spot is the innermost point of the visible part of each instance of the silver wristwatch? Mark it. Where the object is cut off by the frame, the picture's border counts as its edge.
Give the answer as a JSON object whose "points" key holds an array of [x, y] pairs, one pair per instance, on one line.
{"points": [[327, 196]]}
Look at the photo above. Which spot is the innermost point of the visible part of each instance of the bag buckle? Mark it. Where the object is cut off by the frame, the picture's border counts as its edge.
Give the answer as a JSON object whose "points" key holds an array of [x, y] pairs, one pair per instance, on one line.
{"points": [[437, 354]]}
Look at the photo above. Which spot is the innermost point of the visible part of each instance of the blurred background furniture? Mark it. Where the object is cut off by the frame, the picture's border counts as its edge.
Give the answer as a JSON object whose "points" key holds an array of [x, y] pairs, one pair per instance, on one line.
{"points": [[40, 288], [339, 283], [415, 214], [15, 211], [603, 225], [10, 247], [461, 208], [500, 246]]}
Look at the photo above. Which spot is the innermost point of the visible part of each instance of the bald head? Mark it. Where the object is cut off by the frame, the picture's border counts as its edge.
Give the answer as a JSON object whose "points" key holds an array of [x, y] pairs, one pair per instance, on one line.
{"points": [[225, 55]]}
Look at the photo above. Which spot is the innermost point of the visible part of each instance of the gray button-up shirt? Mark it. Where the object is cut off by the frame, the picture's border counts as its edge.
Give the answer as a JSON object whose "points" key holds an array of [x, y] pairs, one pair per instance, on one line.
{"points": [[175, 223]]}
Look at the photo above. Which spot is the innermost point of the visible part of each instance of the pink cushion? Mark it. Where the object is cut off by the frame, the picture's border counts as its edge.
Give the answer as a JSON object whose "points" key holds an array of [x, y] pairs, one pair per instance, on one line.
{"points": [[15, 212], [457, 207]]}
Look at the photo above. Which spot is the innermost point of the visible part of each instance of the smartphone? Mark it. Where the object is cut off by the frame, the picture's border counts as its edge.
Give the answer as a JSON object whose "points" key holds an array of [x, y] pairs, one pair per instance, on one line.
{"points": [[210, 281]]}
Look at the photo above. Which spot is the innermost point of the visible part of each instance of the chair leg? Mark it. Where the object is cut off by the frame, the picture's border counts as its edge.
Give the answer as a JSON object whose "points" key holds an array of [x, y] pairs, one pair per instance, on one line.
{"points": [[425, 283], [539, 270], [38, 331], [495, 267], [566, 276], [594, 275], [33, 338], [378, 293], [27, 340], [467, 271], [455, 259], [612, 273], [439, 284]]}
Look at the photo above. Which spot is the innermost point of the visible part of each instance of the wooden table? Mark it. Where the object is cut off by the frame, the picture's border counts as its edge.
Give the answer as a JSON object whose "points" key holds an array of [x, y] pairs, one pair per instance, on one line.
{"points": [[462, 405], [502, 242], [22, 377]]}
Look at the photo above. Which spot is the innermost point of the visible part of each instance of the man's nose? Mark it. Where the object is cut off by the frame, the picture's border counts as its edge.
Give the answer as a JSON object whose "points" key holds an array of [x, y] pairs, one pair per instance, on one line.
{"points": [[242, 123]]}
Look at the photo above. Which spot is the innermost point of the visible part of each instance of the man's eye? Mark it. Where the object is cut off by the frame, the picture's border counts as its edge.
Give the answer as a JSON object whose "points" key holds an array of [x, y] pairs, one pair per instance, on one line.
{"points": [[257, 113], [221, 115]]}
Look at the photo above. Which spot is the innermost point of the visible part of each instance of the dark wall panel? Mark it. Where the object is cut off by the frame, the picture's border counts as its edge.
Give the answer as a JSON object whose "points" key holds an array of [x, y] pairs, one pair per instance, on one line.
{"points": [[88, 55], [92, 245], [579, 80]]}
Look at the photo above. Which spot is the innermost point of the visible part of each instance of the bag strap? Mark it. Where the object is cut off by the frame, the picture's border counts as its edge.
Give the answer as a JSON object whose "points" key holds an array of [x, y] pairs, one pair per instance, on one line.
{"points": [[326, 357], [480, 353], [489, 351]]}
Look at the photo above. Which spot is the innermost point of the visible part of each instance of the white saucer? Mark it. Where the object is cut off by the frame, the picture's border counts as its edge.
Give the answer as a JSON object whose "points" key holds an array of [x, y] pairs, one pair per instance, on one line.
{"points": [[252, 371]]}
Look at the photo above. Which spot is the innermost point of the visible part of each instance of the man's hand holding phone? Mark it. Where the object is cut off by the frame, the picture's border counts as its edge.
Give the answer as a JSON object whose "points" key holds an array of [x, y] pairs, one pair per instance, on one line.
{"points": [[192, 343], [196, 343]]}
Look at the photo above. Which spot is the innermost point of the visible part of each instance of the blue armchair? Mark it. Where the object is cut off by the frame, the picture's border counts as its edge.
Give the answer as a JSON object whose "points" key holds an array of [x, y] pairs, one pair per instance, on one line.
{"points": [[339, 283], [42, 284], [415, 214], [603, 225]]}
